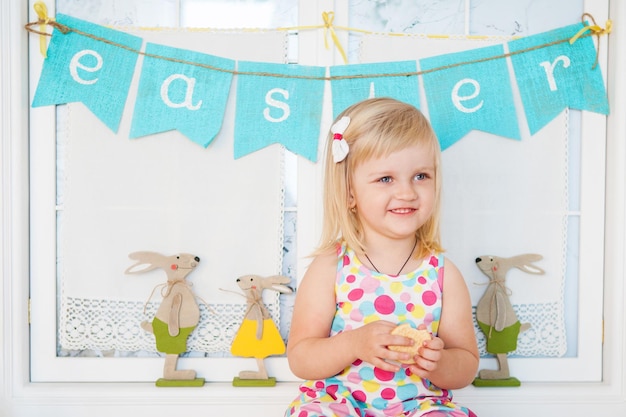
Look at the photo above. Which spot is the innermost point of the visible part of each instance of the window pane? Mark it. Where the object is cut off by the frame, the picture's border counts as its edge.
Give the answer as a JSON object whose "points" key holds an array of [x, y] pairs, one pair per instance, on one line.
{"points": [[265, 14]]}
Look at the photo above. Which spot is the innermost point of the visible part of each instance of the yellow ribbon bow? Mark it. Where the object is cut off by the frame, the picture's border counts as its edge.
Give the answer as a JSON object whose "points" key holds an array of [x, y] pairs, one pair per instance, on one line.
{"points": [[596, 30], [42, 13], [328, 27]]}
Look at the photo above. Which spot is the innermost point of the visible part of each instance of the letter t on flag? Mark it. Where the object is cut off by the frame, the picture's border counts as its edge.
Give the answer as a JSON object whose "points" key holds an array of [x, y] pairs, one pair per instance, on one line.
{"points": [[84, 69]]}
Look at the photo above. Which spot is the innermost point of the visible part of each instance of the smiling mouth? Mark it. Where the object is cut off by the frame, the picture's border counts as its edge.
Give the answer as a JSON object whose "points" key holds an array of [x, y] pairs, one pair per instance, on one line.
{"points": [[403, 210]]}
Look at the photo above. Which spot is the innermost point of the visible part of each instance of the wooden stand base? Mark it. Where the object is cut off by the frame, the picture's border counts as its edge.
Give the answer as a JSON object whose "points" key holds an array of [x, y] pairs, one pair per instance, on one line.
{"points": [[161, 382], [508, 382], [269, 382]]}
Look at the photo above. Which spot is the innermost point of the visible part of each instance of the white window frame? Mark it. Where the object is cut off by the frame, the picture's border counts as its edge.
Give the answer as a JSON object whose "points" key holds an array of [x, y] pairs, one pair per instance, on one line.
{"points": [[20, 397]]}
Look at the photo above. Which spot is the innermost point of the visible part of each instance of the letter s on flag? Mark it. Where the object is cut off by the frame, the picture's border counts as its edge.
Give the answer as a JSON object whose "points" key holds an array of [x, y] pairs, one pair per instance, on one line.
{"points": [[279, 104]]}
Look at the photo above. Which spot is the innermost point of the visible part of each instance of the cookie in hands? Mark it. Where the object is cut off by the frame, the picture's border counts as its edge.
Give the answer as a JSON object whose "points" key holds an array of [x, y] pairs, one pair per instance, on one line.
{"points": [[418, 336]]}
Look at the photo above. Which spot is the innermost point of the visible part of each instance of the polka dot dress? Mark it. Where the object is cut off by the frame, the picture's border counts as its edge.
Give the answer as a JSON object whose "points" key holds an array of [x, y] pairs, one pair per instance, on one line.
{"points": [[364, 296]]}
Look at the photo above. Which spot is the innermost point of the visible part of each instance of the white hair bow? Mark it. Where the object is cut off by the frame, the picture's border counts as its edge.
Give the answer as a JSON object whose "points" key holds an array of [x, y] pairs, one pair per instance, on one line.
{"points": [[340, 146]]}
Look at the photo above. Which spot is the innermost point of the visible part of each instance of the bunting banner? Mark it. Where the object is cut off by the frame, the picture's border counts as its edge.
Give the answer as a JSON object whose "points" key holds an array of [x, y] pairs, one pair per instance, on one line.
{"points": [[187, 91]]}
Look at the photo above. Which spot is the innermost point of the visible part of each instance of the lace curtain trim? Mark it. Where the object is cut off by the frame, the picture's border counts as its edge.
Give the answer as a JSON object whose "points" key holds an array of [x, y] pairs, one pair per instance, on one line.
{"points": [[90, 324]]}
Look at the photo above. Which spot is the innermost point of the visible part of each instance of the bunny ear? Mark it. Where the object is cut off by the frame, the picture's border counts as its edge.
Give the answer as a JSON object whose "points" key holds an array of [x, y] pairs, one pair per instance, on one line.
{"points": [[144, 255], [146, 261], [278, 279], [277, 283], [531, 269], [139, 267], [283, 289], [525, 263]]}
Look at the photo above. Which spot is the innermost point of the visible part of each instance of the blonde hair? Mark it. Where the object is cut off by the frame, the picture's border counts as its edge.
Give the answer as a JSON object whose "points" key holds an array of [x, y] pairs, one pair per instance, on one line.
{"points": [[378, 127]]}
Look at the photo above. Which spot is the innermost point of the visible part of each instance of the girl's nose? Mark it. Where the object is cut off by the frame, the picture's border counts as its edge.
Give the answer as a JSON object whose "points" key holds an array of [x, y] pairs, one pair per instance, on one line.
{"points": [[406, 191]]}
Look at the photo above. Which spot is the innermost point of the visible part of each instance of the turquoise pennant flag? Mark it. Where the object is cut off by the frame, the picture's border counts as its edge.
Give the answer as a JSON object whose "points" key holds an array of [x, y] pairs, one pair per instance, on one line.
{"points": [[182, 90], [353, 83], [278, 103], [554, 77], [472, 96], [80, 68]]}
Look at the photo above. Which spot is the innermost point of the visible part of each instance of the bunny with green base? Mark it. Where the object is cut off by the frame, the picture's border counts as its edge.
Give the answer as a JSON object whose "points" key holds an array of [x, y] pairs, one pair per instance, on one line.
{"points": [[177, 315], [496, 317]]}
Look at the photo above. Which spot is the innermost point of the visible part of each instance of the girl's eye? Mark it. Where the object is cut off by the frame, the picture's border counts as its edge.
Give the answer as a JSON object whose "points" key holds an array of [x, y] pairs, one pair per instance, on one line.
{"points": [[385, 179], [420, 177]]}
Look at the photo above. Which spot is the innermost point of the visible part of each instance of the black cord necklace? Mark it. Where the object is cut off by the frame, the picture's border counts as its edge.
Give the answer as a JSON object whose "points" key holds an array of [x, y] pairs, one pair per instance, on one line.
{"points": [[403, 265]]}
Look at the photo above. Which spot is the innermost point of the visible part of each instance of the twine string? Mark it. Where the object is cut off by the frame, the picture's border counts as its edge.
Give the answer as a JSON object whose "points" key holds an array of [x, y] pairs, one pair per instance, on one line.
{"points": [[166, 289], [588, 30]]}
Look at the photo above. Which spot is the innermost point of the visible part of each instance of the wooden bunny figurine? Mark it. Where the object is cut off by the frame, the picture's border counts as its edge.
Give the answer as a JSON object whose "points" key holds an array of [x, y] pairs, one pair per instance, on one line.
{"points": [[258, 336], [496, 317], [177, 315]]}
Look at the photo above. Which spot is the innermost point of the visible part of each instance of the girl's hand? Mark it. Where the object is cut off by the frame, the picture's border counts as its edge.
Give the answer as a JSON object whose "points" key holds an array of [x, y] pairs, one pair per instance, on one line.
{"points": [[427, 360], [371, 341]]}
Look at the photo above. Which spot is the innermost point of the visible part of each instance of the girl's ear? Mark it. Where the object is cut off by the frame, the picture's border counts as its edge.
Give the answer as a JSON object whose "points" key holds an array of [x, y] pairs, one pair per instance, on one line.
{"points": [[351, 199], [350, 194]]}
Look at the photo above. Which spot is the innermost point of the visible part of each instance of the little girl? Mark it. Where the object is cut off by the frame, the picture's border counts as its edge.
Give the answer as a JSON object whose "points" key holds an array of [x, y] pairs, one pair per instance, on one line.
{"points": [[380, 265]]}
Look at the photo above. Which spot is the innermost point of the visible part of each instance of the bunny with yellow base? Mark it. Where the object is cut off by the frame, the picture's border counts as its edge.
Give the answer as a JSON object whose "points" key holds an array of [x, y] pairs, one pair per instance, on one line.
{"points": [[258, 336]]}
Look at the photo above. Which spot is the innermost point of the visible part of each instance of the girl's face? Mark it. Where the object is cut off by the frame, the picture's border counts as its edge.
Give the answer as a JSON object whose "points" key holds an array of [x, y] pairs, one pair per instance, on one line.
{"points": [[395, 195]]}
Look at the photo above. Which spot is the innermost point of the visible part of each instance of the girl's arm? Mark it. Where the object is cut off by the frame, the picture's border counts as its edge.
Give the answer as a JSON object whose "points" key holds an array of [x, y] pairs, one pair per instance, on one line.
{"points": [[311, 352], [450, 360]]}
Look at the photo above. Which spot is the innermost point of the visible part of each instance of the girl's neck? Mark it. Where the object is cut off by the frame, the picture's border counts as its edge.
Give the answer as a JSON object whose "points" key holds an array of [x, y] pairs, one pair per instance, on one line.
{"points": [[376, 244], [390, 256]]}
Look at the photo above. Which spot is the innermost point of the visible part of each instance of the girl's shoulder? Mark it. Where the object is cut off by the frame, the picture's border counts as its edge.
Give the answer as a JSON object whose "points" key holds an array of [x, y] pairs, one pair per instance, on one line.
{"points": [[341, 247], [327, 258], [444, 260], [320, 275], [437, 262], [433, 260], [453, 275], [336, 249], [436, 259]]}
